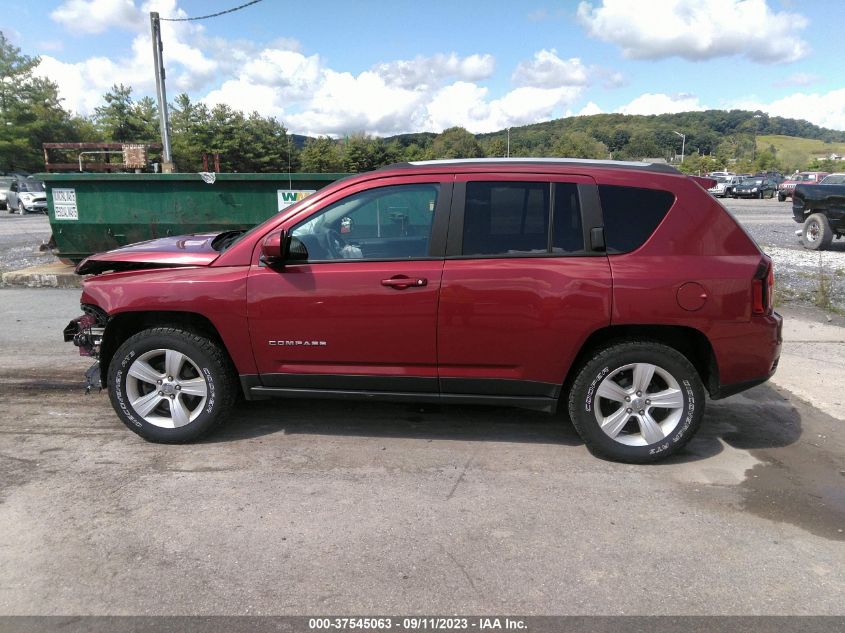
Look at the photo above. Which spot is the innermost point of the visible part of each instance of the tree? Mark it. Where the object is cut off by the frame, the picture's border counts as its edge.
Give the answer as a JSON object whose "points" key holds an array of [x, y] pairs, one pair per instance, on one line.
{"points": [[121, 119], [145, 112], [496, 148], [456, 142], [189, 132], [321, 155], [579, 145], [30, 111]]}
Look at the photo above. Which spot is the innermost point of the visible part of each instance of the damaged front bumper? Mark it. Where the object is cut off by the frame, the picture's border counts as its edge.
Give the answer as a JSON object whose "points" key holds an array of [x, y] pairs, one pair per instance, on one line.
{"points": [[86, 332]]}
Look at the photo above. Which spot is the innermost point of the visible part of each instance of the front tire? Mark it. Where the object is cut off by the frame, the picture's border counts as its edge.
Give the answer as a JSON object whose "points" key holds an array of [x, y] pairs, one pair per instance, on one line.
{"points": [[636, 402], [170, 385], [816, 234]]}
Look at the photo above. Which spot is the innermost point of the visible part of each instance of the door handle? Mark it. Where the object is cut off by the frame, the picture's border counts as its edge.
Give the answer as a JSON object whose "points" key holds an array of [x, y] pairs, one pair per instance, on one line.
{"points": [[400, 282]]}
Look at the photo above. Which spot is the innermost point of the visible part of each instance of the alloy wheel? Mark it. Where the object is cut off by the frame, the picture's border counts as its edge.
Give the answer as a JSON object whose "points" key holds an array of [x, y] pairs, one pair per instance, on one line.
{"points": [[639, 404], [166, 388]]}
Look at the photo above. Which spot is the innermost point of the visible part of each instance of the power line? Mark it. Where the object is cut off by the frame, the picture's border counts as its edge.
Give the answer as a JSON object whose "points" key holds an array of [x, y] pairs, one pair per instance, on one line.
{"points": [[212, 15]]}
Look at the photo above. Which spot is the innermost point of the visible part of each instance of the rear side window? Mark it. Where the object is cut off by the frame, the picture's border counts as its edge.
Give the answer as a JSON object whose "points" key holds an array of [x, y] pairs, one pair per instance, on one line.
{"points": [[506, 217], [516, 218], [631, 214]]}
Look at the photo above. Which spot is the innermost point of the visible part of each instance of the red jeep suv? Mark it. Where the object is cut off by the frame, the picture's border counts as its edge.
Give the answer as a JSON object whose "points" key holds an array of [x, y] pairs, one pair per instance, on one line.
{"points": [[621, 290]]}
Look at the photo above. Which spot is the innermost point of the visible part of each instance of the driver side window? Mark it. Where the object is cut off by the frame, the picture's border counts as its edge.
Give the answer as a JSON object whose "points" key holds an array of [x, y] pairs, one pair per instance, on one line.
{"points": [[383, 223]]}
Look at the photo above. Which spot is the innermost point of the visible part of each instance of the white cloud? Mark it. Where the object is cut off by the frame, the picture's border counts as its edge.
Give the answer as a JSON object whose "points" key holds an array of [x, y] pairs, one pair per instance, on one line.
{"points": [[659, 103], [290, 71], [82, 84], [347, 103], [241, 94], [826, 110], [590, 108], [422, 72], [697, 29], [467, 104], [548, 70], [96, 16]]}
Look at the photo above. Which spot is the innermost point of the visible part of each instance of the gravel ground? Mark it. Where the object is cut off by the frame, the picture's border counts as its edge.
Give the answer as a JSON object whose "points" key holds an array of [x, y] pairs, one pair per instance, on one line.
{"points": [[800, 273], [20, 237]]}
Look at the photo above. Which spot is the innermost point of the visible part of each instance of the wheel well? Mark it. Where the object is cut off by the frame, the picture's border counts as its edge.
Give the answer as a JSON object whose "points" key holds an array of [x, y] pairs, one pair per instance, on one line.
{"points": [[122, 326], [692, 343]]}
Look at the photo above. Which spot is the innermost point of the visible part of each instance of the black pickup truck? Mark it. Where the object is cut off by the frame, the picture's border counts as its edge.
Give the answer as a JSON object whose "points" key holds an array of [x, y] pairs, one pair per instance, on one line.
{"points": [[821, 210]]}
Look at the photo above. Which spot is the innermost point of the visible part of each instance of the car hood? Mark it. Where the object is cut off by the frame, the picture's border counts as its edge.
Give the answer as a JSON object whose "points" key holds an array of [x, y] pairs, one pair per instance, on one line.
{"points": [[166, 252]]}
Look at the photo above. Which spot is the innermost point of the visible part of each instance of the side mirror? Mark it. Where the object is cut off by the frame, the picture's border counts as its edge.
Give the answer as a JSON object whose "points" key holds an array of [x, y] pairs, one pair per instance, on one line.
{"points": [[274, 248]]}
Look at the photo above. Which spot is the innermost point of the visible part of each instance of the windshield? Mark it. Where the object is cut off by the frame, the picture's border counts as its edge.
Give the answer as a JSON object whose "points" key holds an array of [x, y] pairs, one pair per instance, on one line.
{"points": [[32, 185], [721, 179]]}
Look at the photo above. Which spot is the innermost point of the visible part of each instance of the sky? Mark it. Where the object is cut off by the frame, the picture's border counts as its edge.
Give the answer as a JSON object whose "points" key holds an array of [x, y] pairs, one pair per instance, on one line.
{"points": [[340, 67]]}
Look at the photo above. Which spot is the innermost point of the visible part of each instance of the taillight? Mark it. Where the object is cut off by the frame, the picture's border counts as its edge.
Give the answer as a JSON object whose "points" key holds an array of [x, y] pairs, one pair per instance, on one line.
{"points": [[763, 288]]}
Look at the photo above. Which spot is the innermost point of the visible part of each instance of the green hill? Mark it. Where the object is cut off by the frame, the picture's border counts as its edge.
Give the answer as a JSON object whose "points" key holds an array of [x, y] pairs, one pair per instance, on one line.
{"points": [[791, 149]]}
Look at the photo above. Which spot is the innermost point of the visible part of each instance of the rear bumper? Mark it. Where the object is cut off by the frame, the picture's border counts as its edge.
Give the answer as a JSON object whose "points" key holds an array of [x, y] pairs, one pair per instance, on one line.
{"points": [[750, 357]]}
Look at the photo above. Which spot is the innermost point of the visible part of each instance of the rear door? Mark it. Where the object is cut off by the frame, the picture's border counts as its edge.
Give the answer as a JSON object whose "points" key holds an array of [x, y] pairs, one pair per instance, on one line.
{"points": [[523, 285]]}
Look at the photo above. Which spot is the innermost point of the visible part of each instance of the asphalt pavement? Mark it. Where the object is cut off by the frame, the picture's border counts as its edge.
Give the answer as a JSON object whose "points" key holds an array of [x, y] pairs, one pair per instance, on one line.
{"points": [[307, 507]]}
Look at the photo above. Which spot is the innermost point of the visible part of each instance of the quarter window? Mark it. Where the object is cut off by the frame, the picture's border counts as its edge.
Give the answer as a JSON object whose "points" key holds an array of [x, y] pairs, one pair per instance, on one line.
{"points": [[631, 215], [382, 223]]}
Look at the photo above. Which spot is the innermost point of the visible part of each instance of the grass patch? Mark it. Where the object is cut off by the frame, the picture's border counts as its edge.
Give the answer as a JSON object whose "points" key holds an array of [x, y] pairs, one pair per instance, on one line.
{"points": [[825, 292], [798, 150]]}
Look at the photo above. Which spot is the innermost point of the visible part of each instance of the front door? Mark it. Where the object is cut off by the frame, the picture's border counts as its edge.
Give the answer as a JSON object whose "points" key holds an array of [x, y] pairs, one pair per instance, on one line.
{"points": [[355, 308]]}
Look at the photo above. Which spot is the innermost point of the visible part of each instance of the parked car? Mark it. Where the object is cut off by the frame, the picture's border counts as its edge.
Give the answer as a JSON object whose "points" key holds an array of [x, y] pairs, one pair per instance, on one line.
{"points": [[820, 209], [718, 189], [621, 291], [724, 185], [5, 183], [27, 195], [772, 175], [755, 187], [805, 177], [833, 179]]}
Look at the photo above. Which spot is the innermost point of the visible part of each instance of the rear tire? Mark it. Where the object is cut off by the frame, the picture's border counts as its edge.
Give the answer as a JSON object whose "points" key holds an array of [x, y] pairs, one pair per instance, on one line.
{"points": [[170, 385], [781, 198], [21, 210], [816, 234], [636, 430]]}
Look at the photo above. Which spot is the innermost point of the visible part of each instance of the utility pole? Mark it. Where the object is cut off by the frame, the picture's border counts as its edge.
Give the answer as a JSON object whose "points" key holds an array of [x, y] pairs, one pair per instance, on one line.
{"points": [[683, 144], [509, 143], [161, 94]]}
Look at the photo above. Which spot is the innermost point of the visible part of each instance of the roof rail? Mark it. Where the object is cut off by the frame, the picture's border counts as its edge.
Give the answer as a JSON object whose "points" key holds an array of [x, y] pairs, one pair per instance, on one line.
{"points": [[584, 162]]}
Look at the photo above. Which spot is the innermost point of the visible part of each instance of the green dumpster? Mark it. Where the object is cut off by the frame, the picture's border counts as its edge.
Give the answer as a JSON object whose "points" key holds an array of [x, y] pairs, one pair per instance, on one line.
{"points": [[91, 213]]}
